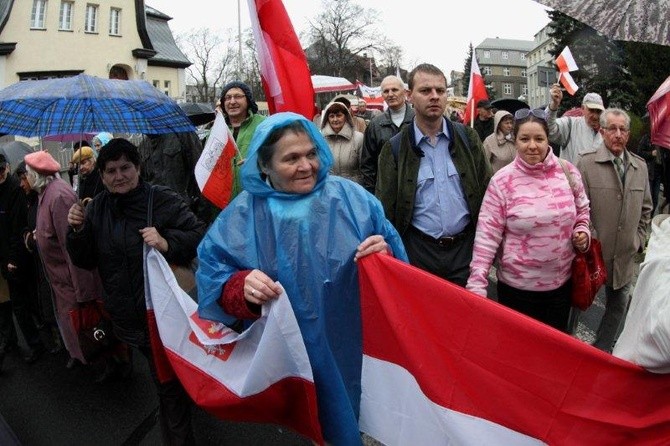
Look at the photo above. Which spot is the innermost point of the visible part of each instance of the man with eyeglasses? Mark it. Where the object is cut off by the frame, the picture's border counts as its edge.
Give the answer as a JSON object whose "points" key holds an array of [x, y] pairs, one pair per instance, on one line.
{"points": [[241, 113], [617, 185], [433, 182], [575, 134]]}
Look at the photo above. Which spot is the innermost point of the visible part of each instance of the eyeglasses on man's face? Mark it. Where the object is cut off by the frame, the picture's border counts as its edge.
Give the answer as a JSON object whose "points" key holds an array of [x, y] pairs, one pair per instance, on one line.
{"points": [[613, 129], [230, 97]]}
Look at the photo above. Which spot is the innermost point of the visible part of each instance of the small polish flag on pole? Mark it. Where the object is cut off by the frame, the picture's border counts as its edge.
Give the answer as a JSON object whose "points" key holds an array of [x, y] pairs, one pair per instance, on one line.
{"points": [[566, 63]]}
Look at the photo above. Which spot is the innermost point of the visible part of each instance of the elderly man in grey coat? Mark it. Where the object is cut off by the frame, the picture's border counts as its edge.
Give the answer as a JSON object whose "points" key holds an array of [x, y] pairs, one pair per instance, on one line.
{"points": [[617, 185]]}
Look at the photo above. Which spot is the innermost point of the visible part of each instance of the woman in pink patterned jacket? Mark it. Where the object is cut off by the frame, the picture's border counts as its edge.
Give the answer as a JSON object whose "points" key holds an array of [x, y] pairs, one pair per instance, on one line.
{"points": [[532, 221]]}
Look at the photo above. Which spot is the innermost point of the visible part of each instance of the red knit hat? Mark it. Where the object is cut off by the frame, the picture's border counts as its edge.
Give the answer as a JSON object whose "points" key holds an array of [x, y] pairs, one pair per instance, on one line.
{"points": [[42, 162]]}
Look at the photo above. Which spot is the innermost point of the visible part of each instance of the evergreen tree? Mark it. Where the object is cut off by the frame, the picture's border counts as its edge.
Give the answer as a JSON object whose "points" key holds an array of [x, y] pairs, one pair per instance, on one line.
{"points": [[602, 63], [648, 64], [466, 70]]}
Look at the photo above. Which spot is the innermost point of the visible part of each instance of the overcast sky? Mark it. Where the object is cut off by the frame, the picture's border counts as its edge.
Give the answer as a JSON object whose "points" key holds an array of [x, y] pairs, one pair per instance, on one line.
{"points": [[421, 27]]}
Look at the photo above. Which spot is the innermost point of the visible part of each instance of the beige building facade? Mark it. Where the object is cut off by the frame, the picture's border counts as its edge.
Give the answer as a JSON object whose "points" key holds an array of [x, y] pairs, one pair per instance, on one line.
{"points": [[42, 39]]}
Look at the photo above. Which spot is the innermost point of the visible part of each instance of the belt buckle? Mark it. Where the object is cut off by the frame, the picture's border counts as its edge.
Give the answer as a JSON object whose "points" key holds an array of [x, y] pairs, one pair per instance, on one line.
{"points": [[446, 241]]}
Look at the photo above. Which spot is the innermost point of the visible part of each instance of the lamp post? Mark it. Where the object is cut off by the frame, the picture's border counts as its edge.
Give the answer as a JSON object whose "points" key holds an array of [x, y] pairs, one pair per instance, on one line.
{"points": [[369, 59]]}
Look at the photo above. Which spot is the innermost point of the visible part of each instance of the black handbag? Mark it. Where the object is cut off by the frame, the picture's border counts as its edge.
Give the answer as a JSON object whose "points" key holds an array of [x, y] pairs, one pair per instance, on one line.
{"points": [[94, 329]]}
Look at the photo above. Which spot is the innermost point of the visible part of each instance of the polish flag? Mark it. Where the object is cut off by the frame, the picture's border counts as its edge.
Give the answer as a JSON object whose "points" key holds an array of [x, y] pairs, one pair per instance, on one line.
{"points": [[214, 170], [226, 373], [284, 71], [566, 63], [568, 83], [476, 92], [444, 366]]}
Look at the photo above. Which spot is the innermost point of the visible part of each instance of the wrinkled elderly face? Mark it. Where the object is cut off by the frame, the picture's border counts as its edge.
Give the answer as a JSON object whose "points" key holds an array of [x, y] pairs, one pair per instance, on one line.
{"points": [[294, 164], [393, 93], [592, 117], [86, 166], [615, 134], [336, 119]]}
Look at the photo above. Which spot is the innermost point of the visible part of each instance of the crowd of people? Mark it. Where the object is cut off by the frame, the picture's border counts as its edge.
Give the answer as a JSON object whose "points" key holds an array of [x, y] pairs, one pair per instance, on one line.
{"points": [[312, 198]]}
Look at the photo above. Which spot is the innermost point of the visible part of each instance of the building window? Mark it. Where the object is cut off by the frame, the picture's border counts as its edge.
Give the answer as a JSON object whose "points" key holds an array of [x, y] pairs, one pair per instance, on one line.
{"points": [[504, 55], [507, 89], [524, 89], [487, 54], [38, 15], [523, 56], [486, 71], [91, 25], [166, 90], [506, 71], [65, 20], [156, 83], [115, 22], [524, 73]]}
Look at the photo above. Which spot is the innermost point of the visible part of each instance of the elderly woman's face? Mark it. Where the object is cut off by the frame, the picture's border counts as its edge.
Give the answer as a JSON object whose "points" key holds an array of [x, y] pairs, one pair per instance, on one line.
{"points": [[336, 119], [120, 176], [294, 164]]}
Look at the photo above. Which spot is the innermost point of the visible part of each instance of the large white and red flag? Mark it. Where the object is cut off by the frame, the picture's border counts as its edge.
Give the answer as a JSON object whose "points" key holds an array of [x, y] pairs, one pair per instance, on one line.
{"points": [[476, 92], [566, 63], [284, 71], [444, 366], [261, 375]]}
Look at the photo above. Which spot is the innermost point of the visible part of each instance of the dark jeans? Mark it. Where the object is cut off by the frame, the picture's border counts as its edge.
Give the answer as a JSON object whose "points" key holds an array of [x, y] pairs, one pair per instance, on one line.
{"points": [[550, 307], [174, 408], [450, 262]]}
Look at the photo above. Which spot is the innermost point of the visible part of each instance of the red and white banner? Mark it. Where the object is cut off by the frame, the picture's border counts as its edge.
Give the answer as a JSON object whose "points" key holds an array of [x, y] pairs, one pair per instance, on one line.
{"points": [[226, 373], [214, 170], [566, 63], [476, 92], [284, 71], [445, 366]]}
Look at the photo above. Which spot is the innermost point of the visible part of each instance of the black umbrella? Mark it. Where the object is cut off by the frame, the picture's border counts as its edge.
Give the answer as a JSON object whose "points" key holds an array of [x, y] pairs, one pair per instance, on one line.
{"points": [[198, 112], [510, 105], [14, 151]]}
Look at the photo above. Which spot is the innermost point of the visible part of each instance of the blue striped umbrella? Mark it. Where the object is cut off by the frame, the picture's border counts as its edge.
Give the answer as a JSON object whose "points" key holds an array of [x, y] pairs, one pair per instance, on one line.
{"points": [[85, 103]]}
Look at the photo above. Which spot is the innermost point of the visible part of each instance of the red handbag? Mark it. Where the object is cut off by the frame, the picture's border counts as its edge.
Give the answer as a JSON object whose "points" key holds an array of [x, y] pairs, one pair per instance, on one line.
{"points": [[588, 275]]}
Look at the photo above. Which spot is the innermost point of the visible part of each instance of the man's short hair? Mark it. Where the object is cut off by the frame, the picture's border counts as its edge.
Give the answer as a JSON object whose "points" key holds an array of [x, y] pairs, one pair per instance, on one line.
{"points": [[616, 112], [424, 68]]}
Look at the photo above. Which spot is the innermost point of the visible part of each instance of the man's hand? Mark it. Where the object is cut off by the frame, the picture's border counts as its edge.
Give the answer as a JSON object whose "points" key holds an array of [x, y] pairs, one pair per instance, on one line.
{"points": [[556, 97]]}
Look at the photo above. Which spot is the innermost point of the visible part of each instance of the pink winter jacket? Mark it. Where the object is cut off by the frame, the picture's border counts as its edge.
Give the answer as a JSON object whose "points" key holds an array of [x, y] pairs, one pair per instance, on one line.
{"points": [[528, 217]]}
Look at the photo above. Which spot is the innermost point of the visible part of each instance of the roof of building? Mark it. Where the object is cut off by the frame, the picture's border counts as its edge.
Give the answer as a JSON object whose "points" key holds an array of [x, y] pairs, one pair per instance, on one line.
{"points": [[162, 40], [506, 44]]}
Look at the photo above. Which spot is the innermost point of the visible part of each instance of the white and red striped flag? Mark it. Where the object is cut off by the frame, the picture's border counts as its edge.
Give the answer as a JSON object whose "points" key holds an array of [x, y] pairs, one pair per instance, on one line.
{"points": [[284, 71], [476, 91], [224, 371], [566, 63], [444, 366], [214, 170]]}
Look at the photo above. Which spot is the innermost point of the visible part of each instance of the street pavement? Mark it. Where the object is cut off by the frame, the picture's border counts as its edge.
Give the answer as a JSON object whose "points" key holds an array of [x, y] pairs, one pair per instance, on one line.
{"points": [[44, 404]]}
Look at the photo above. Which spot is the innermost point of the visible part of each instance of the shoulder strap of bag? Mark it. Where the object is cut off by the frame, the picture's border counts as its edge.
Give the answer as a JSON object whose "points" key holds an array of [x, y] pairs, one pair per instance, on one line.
{"points": [[150, 207], [568, 175]]}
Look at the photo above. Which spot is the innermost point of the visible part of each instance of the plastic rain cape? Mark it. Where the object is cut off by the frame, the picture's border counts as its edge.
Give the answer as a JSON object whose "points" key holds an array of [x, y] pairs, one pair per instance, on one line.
{"points": [[307, 243]]}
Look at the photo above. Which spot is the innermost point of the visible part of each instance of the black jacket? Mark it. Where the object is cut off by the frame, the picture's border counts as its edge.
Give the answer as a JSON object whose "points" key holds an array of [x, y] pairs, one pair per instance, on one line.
{"points": [[110, 240], [91, 185], [12, 223]]}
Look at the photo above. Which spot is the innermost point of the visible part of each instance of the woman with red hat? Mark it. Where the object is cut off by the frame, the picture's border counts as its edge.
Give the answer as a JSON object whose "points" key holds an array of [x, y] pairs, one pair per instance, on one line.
{"points": [[70, 284]]}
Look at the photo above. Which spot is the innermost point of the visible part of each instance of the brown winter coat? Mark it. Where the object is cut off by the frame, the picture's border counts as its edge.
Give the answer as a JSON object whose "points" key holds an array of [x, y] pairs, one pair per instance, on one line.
{"points": [[620, 215]]}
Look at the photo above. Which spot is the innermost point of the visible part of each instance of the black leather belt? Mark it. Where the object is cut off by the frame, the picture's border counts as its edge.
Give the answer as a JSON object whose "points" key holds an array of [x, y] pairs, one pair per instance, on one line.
{"points": [[442, 241]]}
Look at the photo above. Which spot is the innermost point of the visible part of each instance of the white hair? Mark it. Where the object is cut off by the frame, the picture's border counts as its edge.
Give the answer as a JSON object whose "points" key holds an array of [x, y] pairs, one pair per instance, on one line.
{"points": [[37, 180]]}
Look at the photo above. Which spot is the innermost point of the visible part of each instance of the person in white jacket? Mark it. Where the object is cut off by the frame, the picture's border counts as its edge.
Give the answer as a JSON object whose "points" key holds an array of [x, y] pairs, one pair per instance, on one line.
{"points": [[575, 135], [344, 141]]}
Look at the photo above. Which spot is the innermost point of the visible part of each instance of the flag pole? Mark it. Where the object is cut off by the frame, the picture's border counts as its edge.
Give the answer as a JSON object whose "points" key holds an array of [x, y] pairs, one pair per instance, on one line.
{"points": [[239, 40], [472, 113]]}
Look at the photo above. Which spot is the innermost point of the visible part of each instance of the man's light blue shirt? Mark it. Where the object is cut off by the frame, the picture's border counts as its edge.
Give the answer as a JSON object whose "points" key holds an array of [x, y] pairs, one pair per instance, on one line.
{"points": [[440, 208]]}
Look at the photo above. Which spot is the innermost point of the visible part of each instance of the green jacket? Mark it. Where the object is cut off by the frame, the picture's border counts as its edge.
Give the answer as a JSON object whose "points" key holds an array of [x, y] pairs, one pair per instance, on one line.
{"points": [[397, 181], [243, 140]]}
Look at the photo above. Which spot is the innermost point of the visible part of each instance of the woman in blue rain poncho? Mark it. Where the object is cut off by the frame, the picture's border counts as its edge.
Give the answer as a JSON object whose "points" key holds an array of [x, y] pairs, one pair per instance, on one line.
{"points": [[296, 224]]}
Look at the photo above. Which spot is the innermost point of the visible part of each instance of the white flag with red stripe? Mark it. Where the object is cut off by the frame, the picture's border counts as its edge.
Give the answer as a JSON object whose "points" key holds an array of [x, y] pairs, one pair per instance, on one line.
{"points": [[227, 373], [476, 91], [214, 170], [444, 366], [566, 63]]}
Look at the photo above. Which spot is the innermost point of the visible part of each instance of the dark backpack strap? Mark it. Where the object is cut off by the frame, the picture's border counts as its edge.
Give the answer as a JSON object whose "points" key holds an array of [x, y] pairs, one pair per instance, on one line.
{"points": [[150, 207], [462, 134]]}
